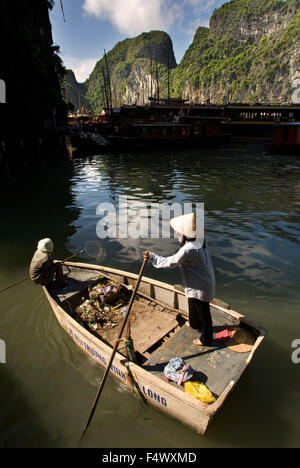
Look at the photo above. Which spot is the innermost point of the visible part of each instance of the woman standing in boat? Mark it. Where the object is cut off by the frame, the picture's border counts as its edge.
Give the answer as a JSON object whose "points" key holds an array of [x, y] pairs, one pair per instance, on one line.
{"points": [[198, 276]]}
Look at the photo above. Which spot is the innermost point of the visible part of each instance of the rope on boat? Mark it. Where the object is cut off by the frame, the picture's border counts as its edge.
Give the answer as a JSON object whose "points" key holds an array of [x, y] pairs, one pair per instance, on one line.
{"points": [[142, 399]]}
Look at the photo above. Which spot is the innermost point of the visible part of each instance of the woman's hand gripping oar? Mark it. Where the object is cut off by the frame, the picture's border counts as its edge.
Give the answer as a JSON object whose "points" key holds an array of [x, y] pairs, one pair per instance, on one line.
{"points": [[114, 349]]}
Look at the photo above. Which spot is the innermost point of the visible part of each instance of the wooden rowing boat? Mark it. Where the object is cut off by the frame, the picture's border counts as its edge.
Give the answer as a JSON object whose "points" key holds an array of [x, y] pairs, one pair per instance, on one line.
{"points": [[160, 333]]}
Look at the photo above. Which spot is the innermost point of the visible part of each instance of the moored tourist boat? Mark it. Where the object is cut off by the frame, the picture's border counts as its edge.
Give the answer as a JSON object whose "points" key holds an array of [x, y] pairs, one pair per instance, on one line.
{"points": [[160, 333], [201, 133], [286, 139], [171, 122]]}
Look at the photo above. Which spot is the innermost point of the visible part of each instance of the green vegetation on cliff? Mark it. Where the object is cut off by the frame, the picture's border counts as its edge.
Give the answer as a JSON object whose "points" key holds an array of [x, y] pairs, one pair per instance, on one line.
{"points": [[236, 13], [129, 69], [75, 92], [247, 53]]}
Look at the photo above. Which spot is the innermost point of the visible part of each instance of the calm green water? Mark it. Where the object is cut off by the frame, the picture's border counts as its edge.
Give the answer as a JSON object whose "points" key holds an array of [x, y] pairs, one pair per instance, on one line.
{"points": [[252, 203]]}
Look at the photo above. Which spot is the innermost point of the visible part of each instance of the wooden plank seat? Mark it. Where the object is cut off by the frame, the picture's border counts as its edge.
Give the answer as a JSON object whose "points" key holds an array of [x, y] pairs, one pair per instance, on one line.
{"points": [[149, 325]]}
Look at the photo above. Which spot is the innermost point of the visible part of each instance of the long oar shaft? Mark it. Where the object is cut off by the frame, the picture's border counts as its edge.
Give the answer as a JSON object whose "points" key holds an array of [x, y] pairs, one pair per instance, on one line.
{"points": [[72, 256], [28, 277], [115, 348], [15, 284]]}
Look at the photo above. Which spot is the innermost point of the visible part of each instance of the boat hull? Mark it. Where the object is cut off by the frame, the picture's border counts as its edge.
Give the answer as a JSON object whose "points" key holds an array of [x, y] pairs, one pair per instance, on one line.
{"points": [[286, 149], [155, 391]]}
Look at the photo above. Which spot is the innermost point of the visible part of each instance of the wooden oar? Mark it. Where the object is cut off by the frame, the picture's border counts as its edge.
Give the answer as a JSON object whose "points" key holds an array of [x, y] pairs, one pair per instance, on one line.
{"points": [[72, 256], [28, 277], [15, 284], [114, 350]]}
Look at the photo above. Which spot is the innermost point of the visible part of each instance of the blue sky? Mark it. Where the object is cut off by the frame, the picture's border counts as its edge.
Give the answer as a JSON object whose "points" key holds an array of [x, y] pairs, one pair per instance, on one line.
{"points": [[94, 25]]}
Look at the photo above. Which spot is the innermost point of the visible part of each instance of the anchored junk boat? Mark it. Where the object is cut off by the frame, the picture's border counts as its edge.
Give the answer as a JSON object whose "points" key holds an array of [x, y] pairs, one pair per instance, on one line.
{"points": [[159, 332], [163, 123], [286, 139], [170, 122]]}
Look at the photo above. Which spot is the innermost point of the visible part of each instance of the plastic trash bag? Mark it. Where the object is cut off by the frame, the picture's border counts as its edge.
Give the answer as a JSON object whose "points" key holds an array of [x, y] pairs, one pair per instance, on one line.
{"points": [[199, 391]]}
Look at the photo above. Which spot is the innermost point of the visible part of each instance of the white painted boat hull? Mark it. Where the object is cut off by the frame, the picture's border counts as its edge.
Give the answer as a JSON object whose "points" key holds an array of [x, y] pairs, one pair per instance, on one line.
{"points": [[158, 393]]}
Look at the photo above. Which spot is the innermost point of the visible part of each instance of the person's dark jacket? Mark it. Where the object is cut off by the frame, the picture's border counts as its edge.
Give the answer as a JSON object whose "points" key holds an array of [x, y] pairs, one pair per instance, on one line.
{"points": [[40, 266]]}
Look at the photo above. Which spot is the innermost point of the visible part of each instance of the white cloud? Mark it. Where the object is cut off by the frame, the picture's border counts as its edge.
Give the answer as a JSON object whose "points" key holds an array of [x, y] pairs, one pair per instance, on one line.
{"points": [[132, 17], [199, 14], [135, 16], [81, 67], [205, 5]]}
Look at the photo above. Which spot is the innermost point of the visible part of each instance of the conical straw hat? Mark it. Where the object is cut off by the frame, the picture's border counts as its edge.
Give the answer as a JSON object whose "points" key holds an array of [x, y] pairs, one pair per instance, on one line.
{"points": [[242, 341], [185, 225]]}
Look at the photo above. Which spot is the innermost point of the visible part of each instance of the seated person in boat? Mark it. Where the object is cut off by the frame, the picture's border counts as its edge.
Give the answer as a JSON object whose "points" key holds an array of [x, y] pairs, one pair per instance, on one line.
{"points": [[198, 276], [43, 270]]}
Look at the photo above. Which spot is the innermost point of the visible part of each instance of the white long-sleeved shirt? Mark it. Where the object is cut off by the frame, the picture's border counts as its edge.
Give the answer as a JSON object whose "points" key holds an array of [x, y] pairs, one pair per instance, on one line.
{"points": [[196, 269]]}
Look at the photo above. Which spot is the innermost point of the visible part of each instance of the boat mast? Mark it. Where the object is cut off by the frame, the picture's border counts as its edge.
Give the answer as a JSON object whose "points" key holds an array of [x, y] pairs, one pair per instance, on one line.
{"points": [[62, 9], [168, 78], [157, 78], [109, 81], [151, 67], [79, 101], [105, 89]]}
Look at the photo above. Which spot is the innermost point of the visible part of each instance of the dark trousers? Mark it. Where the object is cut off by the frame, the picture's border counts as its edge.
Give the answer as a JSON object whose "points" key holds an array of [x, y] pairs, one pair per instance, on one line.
{"points": [[200, 319], [53, 276]]}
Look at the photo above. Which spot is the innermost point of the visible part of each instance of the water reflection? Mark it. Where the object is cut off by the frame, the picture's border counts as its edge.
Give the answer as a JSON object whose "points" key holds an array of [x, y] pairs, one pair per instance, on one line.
{"points": [[252, 203], [252, 208]]}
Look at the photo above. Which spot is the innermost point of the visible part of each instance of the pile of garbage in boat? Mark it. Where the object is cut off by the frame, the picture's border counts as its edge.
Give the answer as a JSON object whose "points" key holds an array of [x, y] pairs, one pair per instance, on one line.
{"points": [[104, 307]]}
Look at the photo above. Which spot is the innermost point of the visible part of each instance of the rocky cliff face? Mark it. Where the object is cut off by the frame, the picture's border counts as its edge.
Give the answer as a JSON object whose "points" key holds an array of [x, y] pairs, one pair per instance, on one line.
{"points": [[75, 92], [30, 68], [254, 19], [250, 53], [132, 68]]}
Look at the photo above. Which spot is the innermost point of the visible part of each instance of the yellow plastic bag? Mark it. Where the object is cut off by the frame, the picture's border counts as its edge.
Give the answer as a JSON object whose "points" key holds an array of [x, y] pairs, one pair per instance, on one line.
{"points": [[200, 391]]}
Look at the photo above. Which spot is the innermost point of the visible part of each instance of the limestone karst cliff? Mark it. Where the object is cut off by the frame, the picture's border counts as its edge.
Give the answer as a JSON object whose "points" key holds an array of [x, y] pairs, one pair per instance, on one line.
{"points": [[31, 69], [75, 92], [249, 53], [132, 66]]}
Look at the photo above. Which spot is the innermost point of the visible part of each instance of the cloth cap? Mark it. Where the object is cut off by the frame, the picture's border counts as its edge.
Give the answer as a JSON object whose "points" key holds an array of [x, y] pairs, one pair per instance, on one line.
{"points": [[46, 246], [185, 225]]}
